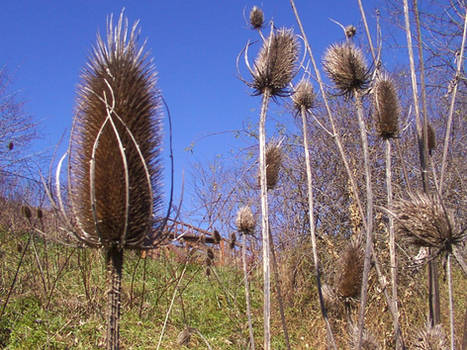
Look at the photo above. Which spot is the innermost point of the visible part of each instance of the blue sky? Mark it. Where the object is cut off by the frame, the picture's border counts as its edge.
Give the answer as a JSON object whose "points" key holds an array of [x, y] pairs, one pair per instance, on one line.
{"points": [[44, 45]]}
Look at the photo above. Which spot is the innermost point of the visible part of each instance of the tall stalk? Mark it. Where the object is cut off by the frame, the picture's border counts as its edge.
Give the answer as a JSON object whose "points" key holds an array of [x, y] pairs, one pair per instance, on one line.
{"points": [[247, 294], [114, 259]]}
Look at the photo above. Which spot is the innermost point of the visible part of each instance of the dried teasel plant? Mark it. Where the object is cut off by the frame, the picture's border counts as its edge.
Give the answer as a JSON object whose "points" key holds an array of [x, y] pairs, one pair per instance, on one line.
{"points": [[245, 221], [256, 18], [423, 221], [349, 273], [114, 169], [303, 96], [431, 137], [350, 31], [386, 107], [368, 341], [276, 64], [430, 338], [347, 68], [273, 164]]}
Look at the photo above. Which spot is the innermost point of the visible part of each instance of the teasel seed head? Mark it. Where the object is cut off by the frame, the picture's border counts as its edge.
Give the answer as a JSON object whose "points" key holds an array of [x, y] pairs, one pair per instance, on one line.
{"points": [[39, 213], [115, 143], [256, 17], [346, 67], [217, 237], [26, 212], [210, 254], [350, 31], [276, 64], [422, 221], [431, 135], [430, 338], [273, 164], [245, 221], [11, 146], [233, 240], [350, 270], [304, 96], [386, 106]]}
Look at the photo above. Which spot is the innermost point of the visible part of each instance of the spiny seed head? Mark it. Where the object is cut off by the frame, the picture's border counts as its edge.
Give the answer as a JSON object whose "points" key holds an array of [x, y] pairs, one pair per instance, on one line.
{"points": [[386, 106], [273, 164], [346, 67], [422, 221], [349, 273], [116, 141], [430, 338], [217, 237], [26, 212], [10, 146], [233, 240], [210, 254], [431, 135], [276, 63], [245, 221], [256, 17], [303, 96], [39, 213], [350, 31]]}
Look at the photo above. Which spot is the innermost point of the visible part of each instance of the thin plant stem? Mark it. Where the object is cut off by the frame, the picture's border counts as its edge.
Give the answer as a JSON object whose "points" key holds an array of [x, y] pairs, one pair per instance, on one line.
{"points": [[451, 106], [392, 244], [404, 168], [369, 217], [367, 30], [278, 291], [247, 294], [170, 306], [451, 302], [144, 287], [133, 279], [12, 286], [312, 230], [265, 221], [114, 260]]}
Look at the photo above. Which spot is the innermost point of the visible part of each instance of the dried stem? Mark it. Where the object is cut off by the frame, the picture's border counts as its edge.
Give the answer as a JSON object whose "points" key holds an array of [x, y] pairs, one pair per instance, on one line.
{"points": [[451, 301], [312, 229], [247, 294], [114, 258]]}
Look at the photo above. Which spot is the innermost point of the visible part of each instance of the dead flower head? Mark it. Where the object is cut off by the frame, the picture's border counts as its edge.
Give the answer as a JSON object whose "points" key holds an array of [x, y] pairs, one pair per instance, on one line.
{"points": [[422, 221], [276, 63], [304, 96], [350, 270], [369, 342], [386, 106], [256, 17], [350, 31], [273, 164], [245, 221], [115, 142], [346, 67]]}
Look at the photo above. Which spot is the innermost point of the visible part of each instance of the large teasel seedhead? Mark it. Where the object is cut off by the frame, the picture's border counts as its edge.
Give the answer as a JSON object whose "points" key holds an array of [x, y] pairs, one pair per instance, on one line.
{"points": [[245, 221], [350, 270], [423, 221], [386, 106], [430, 338], [303, 96], [276, 64], [256, 18], [347, 68], [115, 143], [273, 164]]}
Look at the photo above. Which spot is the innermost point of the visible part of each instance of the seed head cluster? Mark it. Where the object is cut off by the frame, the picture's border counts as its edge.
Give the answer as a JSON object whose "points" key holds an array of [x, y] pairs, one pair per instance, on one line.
{"points": [[349, 273], [276, 64], [245, 221], [273, 164], [115, 142], [431, 139], [256, 18], [422, 221], [304, 96], [346, 67], [386, 106]]}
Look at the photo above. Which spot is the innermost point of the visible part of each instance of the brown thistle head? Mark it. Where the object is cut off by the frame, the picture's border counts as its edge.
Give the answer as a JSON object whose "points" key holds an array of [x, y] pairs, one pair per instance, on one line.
{"points": [[245, 221], [11, 145], [233, 240], [422, 221], [350, 31], [115, 142], [431, 136], [304, 96], [350, 270], [369, 342], [276, 64], [26, 211], [346, 67], [386, 106], [256, 18], [273, 164], [217, 237], [430, 338]]}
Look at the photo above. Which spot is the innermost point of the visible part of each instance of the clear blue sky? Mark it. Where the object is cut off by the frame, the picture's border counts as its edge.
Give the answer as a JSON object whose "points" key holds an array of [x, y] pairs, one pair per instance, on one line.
{"points": [[44, 44]]}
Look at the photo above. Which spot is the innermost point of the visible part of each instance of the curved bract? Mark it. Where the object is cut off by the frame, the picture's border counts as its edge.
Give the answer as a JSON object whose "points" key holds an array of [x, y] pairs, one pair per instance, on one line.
{"points": [[114, 170]]}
